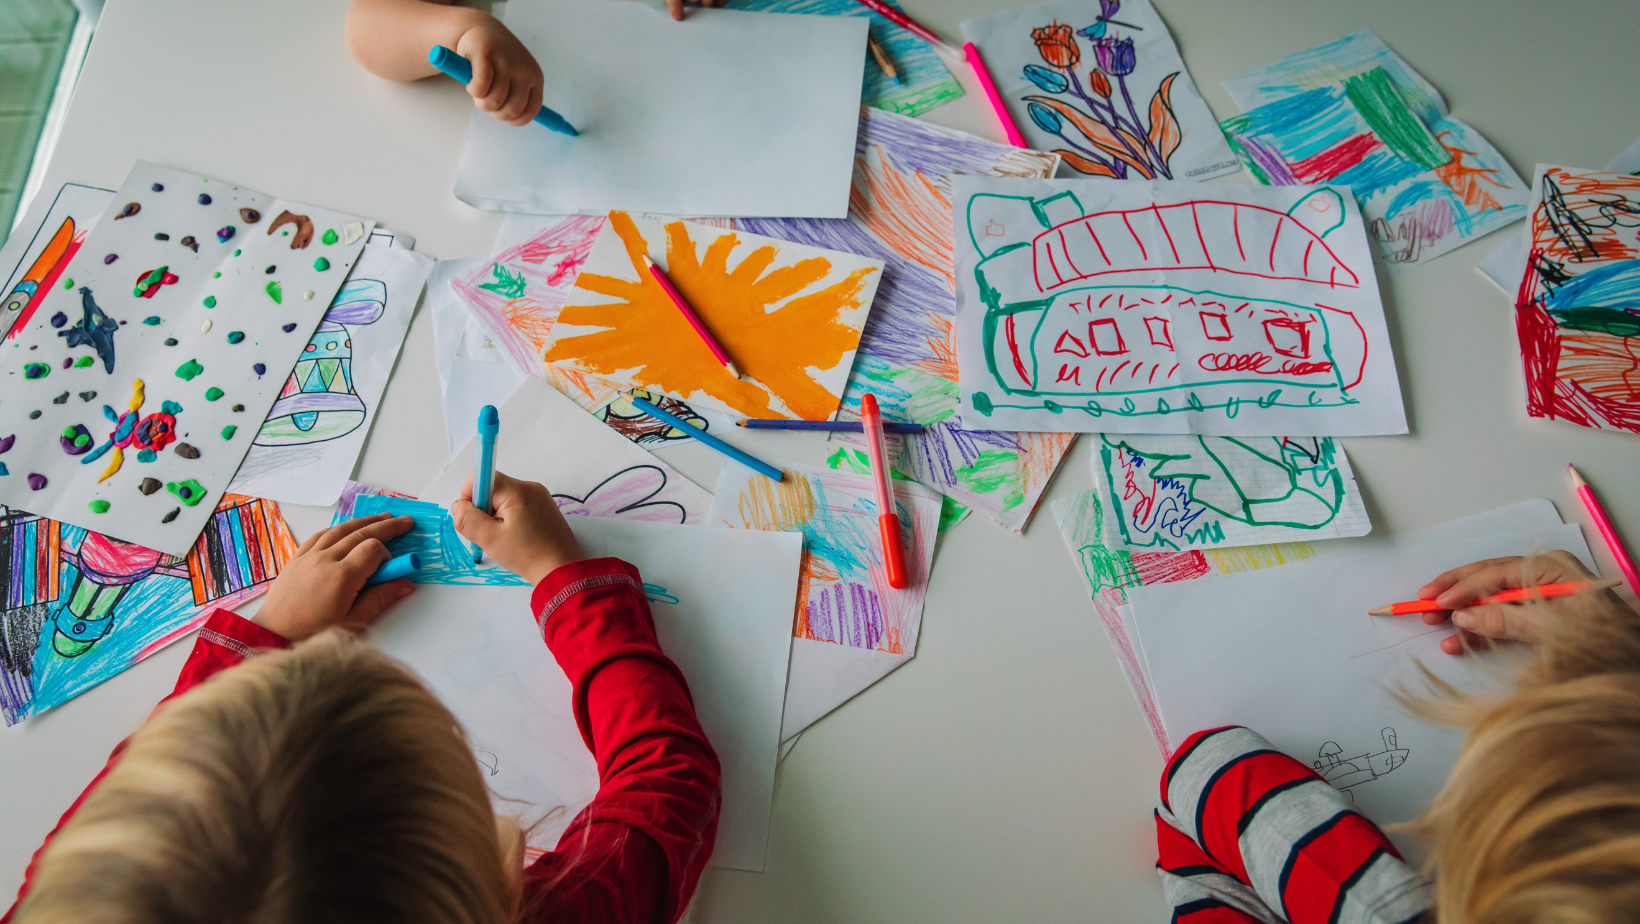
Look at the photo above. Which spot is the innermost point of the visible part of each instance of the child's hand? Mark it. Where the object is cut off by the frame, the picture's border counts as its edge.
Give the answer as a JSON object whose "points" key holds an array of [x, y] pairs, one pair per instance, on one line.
{"points": [[527, 535], [323, 585], [506, 79], [675, 7], [1458, 588]]}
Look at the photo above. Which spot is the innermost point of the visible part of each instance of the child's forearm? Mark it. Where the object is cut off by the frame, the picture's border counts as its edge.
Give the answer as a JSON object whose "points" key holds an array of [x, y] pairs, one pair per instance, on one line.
{"points": [[391, 38]]}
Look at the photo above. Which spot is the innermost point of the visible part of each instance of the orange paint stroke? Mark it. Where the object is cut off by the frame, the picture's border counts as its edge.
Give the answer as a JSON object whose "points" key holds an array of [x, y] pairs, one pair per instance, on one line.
{"points": [[774, 334], [907, 212], [944, 361], [1466, 182]]}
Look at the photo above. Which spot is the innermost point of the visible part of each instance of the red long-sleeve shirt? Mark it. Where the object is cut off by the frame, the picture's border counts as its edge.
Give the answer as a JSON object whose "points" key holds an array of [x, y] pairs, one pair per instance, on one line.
{"points": [[636, 852]]}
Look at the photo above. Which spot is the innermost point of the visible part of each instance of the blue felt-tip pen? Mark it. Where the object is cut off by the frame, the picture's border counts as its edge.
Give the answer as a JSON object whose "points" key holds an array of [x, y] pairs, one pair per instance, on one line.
{"points": [[394, 568], [489, 424], [459, 68]]}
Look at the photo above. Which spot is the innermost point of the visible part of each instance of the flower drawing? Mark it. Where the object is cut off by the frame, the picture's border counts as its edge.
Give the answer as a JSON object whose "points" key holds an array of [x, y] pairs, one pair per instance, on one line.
{"points": [[1097, 120]]}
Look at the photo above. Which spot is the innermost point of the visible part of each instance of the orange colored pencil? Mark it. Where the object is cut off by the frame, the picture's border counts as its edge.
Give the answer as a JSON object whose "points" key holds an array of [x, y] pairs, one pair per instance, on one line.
{"points": [[1509, 596]]}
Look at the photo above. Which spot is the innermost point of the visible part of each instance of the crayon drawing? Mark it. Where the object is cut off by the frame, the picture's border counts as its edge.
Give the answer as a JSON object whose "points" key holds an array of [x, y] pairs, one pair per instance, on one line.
{"points": [[924, 82], [1108, 573], [39, 249], [843, 596], [1353, 112], [900, 212], [789, 315], [1178, 492], [1102, 85], [850, 459], [1162, 309], [78, 607], [1577, 311]]}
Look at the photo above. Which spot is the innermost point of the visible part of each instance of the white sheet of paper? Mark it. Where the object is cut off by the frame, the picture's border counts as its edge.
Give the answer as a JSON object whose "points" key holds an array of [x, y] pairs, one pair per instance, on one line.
{"points": [[303, 457], [1505, 266], [774, 134], [465, 383], [1008, 44], [1098, 306], [591, 470], [227, 305], [722, 605], [853, 629], [1174, 492], [1243, 649], [42, 244]]}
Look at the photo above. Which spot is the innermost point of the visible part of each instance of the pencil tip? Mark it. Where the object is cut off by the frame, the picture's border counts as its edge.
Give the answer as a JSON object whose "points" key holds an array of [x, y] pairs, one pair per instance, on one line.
{"points": [[741, 422], [1381, 611], [648, 262]]}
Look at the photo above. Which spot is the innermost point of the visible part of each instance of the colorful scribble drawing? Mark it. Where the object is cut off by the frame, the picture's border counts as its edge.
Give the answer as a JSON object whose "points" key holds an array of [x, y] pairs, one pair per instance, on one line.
{"points": [[1577, 311], [1114, 137], [1180, 492], [51, 248], [1079, 339], [78, 607], [900, 212], [1353, 112], [1107, 573], [1346, 773], [850, 459], [791, 316], [843, 596], [318, 402]]}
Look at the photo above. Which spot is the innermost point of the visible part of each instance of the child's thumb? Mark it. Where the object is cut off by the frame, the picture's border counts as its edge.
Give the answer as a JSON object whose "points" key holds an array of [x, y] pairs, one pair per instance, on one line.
{"points": [[372, 602], [473, 524]]}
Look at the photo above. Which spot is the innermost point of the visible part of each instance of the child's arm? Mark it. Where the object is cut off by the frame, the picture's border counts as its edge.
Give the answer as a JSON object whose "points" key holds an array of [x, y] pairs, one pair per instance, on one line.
{"points": [[635, 853], [391, 38], [1461, 587]]}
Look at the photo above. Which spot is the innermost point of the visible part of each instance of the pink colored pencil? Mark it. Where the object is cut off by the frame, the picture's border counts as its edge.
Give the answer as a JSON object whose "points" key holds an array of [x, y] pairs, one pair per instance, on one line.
{"points": [[910, 25], [985, 81], [1608, 532], [690, 316]]}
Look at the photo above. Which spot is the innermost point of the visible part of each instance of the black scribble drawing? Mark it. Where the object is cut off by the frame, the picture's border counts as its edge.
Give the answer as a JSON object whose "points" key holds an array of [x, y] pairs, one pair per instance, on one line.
{"points": [[1345, 773]]}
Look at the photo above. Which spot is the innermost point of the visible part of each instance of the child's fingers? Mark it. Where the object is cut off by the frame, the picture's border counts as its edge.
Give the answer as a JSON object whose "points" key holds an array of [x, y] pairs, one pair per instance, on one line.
{"points": [[466, 492], [500, 89], [365, 557], [1497, 620], [473, 524], [372, 602], [1463, 642], [483, 75], [1446, 579], [379, 531], [532, 105], [329, 537], [1480, 580], [513, 109], [675, 7]]}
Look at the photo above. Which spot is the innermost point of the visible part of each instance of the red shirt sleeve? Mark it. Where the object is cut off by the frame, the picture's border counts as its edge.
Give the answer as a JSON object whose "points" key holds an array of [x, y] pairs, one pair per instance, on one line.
{"points": [[226, 639], [635, 853]]}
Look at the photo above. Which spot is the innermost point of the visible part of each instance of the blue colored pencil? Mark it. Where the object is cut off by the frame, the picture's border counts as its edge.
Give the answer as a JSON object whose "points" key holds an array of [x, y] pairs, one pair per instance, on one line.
{"points": [[762, 468], [459, 68], [830, 426]]}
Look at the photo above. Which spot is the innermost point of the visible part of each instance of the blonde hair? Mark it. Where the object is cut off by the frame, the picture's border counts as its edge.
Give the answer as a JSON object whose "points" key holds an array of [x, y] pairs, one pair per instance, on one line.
{"points": [[1540, 818], [323, 783]]}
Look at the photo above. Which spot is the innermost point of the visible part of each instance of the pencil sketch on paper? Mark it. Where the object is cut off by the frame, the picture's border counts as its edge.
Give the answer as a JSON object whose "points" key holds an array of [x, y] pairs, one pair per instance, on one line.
{"points": [[1203, 309], [78, 607], [1577, 311], [1107, 573], [1180, 491], [1346, 773], [900, 212]]}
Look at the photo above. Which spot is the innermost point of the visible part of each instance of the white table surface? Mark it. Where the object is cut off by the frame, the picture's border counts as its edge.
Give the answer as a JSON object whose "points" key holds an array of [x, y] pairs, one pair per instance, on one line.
{"points": [[1005, 772]]}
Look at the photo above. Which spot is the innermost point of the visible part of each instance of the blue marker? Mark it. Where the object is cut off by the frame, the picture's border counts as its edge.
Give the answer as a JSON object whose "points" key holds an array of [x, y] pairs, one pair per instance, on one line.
{"points": [[454, 65], [761, 467], [395, 568], [489, 424]]}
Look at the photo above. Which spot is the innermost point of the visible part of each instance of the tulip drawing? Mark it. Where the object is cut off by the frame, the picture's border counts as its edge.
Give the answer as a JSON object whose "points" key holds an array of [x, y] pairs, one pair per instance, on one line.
{"points": [[1101, 139]]}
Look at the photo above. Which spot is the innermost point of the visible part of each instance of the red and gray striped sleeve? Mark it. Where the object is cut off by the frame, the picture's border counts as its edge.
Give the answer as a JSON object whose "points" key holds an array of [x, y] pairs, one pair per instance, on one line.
{"points": [[1244, 827]]}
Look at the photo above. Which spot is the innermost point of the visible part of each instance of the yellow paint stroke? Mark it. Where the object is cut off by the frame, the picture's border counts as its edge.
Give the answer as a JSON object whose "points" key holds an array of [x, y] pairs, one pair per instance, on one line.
{"points": [[116, 456], [1255, 557], [775, 346], [908, 212]]}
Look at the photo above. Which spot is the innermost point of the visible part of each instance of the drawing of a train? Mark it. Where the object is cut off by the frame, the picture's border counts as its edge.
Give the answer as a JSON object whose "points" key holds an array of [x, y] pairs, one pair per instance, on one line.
{"points": [[1147, 311]]}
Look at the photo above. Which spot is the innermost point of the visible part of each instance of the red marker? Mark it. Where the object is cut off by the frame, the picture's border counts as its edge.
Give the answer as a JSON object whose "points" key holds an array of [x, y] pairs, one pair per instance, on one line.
{"points": [[690, 316], [887, 520]]}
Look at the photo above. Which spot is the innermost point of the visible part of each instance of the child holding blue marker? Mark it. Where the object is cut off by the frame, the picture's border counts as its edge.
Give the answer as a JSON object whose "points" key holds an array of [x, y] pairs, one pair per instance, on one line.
{"points": [[392, 38]]}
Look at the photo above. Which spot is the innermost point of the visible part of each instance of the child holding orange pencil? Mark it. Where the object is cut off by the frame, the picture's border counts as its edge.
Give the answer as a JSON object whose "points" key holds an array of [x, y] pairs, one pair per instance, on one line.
{"points": [[1538, 821]]}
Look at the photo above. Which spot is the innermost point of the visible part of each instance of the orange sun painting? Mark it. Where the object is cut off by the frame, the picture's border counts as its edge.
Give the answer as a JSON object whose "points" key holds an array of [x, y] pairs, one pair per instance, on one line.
{"points": [[789, 315]]}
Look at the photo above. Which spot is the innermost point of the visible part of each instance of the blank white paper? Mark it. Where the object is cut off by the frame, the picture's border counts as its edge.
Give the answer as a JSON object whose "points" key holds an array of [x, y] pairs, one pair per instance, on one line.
{"points": [[731, 113]]}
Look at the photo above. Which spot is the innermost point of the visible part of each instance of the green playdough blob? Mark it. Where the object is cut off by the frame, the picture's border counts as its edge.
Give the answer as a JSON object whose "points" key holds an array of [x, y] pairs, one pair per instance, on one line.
{"points": [[321, 264], [189, 369], [98, 506], [190, 492], [274, 292], [152, 320], [213, 393], [36, 371], [329, 237], [210, 301], [69, 284], [234, 336], [84, 361], [229, 431], [147, 455]]}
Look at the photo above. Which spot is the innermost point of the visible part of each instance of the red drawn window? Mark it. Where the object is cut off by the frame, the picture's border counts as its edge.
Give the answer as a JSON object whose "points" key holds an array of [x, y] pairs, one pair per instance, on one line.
{"points": [[1069, 344], [1216, 326], [1288, 337], [1159, 335], [1106, 337]]}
